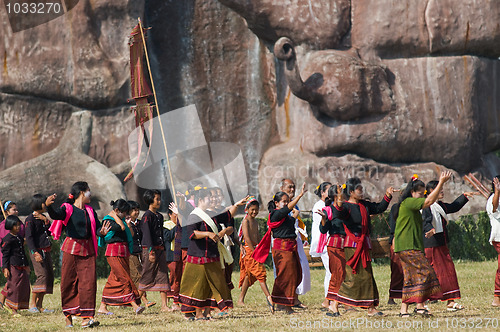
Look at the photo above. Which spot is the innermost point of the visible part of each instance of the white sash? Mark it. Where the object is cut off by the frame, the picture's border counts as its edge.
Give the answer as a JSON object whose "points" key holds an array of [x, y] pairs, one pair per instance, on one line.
{"points": [[438, 213], [225, 255]]}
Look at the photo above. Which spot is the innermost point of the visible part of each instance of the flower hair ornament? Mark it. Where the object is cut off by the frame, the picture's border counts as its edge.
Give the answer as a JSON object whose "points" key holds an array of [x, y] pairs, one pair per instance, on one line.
{"points": [[70, 196], [199, 188], [343, 186], [414, 177]]}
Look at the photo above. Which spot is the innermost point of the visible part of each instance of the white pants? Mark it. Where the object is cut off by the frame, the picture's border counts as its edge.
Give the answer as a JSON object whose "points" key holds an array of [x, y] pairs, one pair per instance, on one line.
{"points": [[328, 275], [305, 285]]}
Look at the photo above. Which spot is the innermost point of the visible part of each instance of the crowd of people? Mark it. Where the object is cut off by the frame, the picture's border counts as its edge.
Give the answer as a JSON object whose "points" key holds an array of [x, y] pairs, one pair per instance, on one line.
{"points": [[189, 258]]}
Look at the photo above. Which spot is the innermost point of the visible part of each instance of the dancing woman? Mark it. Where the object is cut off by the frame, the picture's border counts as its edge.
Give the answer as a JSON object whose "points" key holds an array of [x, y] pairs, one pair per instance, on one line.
{"points": [[420, 281], [78, 274], [358, 288]]}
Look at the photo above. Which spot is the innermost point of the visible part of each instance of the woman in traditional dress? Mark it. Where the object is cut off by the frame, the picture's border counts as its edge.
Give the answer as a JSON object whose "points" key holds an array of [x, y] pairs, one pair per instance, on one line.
{"points": [[358, 288], [436, 243], [420, 281], [334, 228], [78, 273], [120, 289], [203, 283], [284, 251]]}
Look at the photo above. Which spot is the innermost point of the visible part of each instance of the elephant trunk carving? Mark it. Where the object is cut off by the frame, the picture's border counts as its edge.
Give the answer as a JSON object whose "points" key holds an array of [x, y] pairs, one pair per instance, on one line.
{"points": [[338, 84], [285, 50]]}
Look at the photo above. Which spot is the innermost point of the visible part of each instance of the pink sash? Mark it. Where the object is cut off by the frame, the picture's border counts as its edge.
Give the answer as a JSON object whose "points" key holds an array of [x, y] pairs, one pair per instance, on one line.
{"points": [[324, 237], [57, 225]]}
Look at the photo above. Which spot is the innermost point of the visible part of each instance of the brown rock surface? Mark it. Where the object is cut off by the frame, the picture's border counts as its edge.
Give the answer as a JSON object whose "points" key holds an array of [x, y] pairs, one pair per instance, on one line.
{"points": [[411, 28], [29, 127], [443, 112], [319, 24], [336, 83], [56, 170], [81, 57]]}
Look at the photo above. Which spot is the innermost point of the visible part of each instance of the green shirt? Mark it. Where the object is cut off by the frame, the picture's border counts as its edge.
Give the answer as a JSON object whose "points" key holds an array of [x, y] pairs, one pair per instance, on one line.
{"points": [[408, 233]]}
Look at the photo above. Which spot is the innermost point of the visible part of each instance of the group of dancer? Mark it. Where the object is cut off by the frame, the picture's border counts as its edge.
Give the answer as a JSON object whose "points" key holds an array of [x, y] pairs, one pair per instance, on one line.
{"points": [[182, 258], [190, 257], [421, 266]]}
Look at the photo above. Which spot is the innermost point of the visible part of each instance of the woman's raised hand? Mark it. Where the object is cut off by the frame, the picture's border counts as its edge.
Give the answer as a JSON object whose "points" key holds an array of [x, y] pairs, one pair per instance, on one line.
{"points": [[445, 177]]}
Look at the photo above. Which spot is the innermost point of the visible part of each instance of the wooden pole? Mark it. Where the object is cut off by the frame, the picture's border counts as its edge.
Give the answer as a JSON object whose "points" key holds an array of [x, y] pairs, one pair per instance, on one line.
{"points": [[479, 183], [475, 186], [158, 113], [3, 211]]}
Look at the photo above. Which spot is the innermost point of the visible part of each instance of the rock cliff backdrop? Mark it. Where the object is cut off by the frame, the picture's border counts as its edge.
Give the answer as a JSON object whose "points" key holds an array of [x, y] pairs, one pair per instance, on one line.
{"points": [[376, 89]]}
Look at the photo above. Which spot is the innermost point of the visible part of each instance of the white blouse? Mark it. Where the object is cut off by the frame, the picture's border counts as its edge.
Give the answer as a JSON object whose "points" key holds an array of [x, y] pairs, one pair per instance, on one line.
{"points": [[315, 232], [494, 220]]}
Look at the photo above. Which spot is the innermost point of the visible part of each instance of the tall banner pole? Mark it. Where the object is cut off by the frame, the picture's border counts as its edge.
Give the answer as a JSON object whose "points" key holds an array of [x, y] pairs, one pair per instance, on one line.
{"points": [[158, 113]]}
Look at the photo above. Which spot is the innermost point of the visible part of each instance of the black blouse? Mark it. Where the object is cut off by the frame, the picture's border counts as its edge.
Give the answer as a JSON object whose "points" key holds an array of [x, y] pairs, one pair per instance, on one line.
{"points": [[332, 226], [13, 251], [37, 233], [152, 229], [185, 234], [440, 239], [78, 224], [137, 237], [350, 213], [119, 235], [287, 228], [205, 247]]}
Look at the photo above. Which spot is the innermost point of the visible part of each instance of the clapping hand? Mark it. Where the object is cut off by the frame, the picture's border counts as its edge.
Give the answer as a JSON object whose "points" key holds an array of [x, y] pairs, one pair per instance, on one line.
{"points": [[106, 226], [173, 208]]}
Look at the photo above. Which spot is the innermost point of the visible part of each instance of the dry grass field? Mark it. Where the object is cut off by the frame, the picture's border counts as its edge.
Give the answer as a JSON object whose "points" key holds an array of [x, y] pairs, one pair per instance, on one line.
{"points": [[476, 282]]}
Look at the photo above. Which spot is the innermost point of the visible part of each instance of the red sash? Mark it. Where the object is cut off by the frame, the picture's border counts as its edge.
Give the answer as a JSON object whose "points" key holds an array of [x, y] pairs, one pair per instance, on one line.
{"points": [[362, 252], [262, 250]]}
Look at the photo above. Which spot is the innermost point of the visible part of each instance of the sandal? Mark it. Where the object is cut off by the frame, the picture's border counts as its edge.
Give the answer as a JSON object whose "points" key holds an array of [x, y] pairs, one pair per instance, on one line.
{"points": [[220, 314], [455, 307], [333, 314], [300, 306], [34, 310], [405, 315], [107, 313], [48, 311], [139, 310], [150, 304], [376, 314], [271, 306], [90, 323], [423, 312]]}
